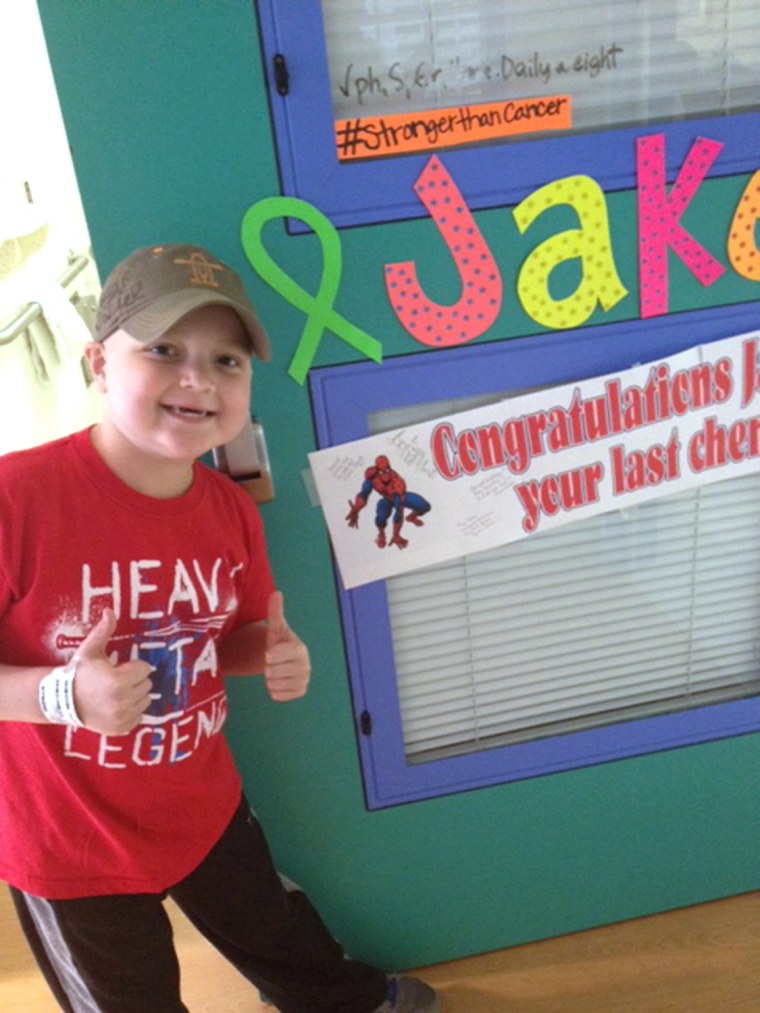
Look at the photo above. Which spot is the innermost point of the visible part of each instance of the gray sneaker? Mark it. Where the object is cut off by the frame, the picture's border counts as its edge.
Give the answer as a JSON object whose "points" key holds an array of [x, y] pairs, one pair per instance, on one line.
{"points": [[408, 995]]}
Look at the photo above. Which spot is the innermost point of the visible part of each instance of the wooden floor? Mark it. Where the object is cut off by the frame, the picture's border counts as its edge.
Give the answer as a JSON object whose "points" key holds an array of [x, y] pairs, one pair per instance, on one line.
{"points": [[699, 960]]}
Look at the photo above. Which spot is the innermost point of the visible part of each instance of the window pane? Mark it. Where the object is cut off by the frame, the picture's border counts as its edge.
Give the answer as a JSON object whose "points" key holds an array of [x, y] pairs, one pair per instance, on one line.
{"points": [[621, 61], [650, 610]]}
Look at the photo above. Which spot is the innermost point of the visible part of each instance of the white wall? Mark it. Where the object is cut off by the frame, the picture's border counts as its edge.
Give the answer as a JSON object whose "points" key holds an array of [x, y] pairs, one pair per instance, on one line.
{"points": [[42, 389]]}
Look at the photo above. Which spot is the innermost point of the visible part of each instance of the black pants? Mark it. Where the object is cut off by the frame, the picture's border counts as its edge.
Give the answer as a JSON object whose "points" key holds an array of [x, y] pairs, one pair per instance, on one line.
{"points": [[115, 954]]}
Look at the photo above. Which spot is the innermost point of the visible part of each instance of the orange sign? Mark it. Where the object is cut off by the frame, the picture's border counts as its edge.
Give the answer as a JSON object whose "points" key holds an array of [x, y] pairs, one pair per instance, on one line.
{"points": [[401, 133]]}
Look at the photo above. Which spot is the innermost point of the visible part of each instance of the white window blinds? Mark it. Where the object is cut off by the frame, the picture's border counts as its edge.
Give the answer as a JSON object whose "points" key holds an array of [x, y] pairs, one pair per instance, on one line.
{"points": [[626, 615], [621, 61]]}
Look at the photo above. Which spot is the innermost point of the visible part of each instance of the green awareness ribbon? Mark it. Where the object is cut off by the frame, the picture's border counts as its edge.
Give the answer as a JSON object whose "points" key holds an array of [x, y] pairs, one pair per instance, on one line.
{"points": [[320, 315]]}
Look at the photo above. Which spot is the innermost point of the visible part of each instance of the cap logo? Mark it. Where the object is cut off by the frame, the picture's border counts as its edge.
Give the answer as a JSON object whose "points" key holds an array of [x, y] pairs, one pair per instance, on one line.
{"points": [[201, 270]]}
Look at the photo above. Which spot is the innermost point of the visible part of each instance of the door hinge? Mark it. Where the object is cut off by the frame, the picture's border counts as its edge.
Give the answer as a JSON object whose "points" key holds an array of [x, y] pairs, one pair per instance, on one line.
{"points": [[281, 76], [365, 722]]}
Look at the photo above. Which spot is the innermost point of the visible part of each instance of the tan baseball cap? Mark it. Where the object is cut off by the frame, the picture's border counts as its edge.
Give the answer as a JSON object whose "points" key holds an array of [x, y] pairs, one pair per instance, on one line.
{"points": [[154, 287]]}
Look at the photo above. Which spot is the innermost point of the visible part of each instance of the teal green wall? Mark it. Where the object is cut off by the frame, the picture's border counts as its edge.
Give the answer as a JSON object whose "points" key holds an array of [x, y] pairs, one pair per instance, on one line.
{"points": [[166, 113]]}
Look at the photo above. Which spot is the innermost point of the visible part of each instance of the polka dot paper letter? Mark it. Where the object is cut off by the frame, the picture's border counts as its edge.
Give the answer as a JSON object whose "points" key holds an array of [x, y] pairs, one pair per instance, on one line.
{"points": [[477, 308], [658, 219], [590, 243], [742, 249]]}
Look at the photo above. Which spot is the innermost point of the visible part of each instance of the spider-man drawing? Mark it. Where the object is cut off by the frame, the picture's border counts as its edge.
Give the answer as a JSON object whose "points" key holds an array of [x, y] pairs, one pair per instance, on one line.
{"points": [[394, 499]]}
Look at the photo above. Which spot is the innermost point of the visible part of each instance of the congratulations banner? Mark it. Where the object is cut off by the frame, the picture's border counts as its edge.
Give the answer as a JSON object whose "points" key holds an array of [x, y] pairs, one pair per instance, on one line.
{"points": [[473, 480]]}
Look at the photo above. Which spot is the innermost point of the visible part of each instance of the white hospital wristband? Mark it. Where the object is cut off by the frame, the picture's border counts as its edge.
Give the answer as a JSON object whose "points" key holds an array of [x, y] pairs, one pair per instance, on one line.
{"points": [[56, 695]]}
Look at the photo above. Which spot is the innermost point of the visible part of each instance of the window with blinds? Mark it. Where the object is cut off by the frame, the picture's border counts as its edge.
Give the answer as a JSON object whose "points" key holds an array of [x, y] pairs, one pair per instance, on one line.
{"points": [[621, 61], [626, 615], [686, 68], [628, 633]]}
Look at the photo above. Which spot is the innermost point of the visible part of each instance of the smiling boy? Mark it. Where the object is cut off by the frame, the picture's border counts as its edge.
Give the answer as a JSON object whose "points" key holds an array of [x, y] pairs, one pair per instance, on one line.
{"points": [[131, 579], [171, 398]]}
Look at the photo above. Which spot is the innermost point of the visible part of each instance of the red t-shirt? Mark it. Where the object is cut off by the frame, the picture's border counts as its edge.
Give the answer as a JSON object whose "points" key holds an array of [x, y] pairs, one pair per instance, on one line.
{"points": [[83, 814]]}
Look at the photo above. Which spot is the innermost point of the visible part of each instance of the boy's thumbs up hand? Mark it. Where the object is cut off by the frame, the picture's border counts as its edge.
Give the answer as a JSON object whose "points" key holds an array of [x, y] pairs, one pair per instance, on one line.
{"points": [[286, 660], [109, 699]]}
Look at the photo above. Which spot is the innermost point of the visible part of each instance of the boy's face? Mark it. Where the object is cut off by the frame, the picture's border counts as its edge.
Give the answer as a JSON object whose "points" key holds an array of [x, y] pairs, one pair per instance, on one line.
{"points": [[178, 396]]}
